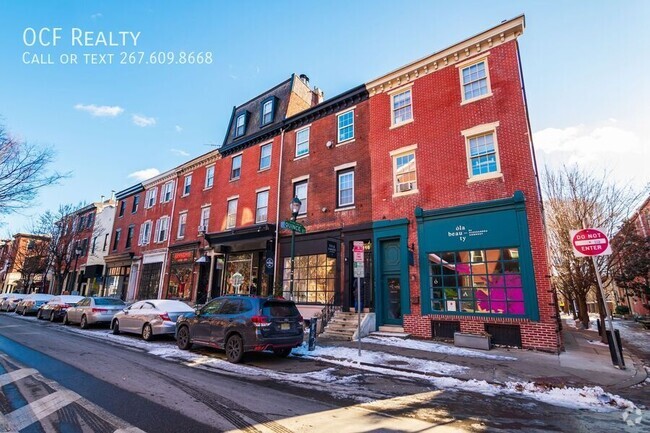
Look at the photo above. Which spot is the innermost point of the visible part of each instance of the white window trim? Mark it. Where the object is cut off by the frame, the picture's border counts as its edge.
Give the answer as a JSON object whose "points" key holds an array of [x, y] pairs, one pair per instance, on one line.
{"points": [[338, 128], [158, 229], [144, 240], [300, 178], [151, 196], [259, 169], [185, 185], [268, 196], [345, 166], [203, 212], [205, 183], [393, 93], [466, 64], [228, 226], [262, 189], [242, 115], [178, 232], [307, 127], [470, 133], [400, 152], [338, 189], [163, 191], [241, 164]]}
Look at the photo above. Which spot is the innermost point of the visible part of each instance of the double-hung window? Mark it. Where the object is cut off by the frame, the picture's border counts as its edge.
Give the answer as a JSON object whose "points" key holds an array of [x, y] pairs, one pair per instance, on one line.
{"points": [[262, 206], [482, 151], [240, 125], [302, 142], [129, 236], [209, 176], [475, 80], [267, 112], [116, 240], [205, 219], [265, 156], [166, 192], [231, 219], [345, 180], [182, 222], [122, 207], [300, 191], [404, 170], [151, 197], [402, 109], [136, 203], [345, 126], [187, 184], [235, 171], [145, 233], [162, 229]]}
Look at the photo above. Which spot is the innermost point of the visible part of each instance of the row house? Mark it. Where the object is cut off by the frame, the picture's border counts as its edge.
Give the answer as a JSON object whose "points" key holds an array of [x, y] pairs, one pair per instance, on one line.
{"points": [[23, 263], [458, 226], [431, 166], [83, 244]]}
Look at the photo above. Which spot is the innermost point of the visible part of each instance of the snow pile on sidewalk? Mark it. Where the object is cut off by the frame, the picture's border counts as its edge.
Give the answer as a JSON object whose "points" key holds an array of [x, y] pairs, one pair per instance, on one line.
{"points": [[428, 346]]}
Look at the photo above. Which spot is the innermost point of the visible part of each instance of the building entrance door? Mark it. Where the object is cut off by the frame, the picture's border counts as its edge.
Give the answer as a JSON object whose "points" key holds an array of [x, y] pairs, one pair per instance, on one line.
{"points": [[391, 290]]}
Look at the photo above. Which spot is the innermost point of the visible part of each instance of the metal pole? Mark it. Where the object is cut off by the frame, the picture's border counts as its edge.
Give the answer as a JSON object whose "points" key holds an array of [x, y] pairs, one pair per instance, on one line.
{"points": [[619, 356], [293, 250], [210, 276], [359, 313]]}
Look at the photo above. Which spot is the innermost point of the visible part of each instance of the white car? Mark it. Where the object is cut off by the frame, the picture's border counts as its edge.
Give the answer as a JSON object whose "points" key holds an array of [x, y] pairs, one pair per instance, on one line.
{"points": [[31, 303], [91, 311], [12, 300], [150, 317]]}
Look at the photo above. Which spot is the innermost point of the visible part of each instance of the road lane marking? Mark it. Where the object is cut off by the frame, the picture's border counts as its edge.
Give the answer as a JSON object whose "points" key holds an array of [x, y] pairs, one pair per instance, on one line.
{"points": [[16, 375], [41, 408]]}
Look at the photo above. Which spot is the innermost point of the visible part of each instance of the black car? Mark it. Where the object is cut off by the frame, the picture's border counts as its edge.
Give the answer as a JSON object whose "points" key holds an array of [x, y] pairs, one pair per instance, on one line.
{"points": [[240, 324]]}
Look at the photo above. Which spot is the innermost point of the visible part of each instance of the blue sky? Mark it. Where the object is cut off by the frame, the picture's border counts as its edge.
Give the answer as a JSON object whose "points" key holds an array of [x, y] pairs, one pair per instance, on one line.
{"points": [[584, 65]]}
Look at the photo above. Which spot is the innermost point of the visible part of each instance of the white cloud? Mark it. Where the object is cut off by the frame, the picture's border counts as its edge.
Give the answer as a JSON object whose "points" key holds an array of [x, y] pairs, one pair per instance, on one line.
{"points": [[100, 110], [606, 147], [178, 128], [96, 16], [143, 121], [145, 174], [179, 152]]}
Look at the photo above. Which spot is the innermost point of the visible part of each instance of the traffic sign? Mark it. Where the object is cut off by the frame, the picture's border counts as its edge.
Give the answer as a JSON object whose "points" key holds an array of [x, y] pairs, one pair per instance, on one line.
{"points": [[357, 255], [293, 226], [590, 242]]}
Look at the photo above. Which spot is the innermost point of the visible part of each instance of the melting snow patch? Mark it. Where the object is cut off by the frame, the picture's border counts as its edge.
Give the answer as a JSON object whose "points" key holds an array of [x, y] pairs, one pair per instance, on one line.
{"points": [[434, 347]]}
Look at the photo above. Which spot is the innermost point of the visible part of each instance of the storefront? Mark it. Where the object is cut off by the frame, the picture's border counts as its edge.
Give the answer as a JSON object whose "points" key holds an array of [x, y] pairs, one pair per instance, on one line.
{"points": [[94, 278], [181, 275], [151, 271]]}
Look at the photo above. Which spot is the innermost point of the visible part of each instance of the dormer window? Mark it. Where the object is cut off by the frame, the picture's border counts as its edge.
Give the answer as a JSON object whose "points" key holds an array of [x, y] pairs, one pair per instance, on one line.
{"points": [[240, 125], [267, 112]]}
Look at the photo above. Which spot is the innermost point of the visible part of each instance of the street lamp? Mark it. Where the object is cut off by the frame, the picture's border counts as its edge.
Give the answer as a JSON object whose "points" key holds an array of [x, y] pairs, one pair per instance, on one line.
{"points": [[295, 208], [77, 253]]}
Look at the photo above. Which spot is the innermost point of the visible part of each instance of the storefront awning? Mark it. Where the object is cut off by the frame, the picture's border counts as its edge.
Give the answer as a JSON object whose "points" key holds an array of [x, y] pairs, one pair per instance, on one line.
{"points": [[94, 271], [248, 236]]}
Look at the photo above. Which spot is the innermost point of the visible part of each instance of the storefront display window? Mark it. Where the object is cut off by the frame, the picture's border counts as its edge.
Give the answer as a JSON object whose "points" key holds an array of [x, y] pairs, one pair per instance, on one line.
{"points": [[238, 273], [181, 274], [314, 278], [478, 281]]}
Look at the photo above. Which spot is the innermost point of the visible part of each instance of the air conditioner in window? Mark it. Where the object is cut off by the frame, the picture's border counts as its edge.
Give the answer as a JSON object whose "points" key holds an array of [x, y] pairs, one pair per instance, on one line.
{"points": [[403, 187], [203, 229]]}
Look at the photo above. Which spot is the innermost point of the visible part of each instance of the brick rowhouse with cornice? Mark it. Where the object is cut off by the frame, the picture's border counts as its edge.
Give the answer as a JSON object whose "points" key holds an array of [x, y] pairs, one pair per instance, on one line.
{"points": [[474, 172]]}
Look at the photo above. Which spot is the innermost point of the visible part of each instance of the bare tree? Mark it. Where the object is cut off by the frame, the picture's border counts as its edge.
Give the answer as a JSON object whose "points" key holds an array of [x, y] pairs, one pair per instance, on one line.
{"points": [[23, 171], [574, 199], [631, 262], [30, 262]]}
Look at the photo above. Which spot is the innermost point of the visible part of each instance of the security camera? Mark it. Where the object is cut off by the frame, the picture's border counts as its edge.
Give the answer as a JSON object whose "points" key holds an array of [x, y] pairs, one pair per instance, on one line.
{"points": [[329, 144]]}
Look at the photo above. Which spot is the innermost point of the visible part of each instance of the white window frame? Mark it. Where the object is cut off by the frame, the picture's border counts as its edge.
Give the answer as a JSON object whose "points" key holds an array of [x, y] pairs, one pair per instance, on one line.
{"points": [[182, 225], [261, 193], [475, 132], [468, 64], [304, 142], [145, 233], [338, 126], [187, 185], [270, 112], [409, 89], [162, 227], [232, 166], [398, 190], [209, 176], [167, 192], [303, 200], [264, 146], [243, 125], [205, 218], [151, 197], [339, 174], [231, 214]]}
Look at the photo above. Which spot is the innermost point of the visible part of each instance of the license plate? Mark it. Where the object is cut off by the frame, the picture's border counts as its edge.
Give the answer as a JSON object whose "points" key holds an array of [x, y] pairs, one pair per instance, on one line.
{"points": [[285, 326]]}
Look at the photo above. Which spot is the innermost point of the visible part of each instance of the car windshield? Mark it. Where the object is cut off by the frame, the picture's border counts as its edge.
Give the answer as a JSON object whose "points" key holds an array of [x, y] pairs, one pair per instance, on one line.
{"points": [[174, 306], [280, 309], [108, 301]]}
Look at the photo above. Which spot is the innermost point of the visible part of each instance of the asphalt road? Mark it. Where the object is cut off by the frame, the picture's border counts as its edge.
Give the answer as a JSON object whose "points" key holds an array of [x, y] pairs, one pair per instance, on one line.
{"points": [[55, 380]]}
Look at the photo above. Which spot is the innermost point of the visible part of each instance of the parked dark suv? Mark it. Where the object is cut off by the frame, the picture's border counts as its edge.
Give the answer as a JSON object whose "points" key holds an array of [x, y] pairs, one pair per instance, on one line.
{"points": [[240, 324]]}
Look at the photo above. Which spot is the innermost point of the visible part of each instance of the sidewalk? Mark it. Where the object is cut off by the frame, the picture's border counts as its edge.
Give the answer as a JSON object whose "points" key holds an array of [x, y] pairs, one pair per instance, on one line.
{"points": [[585, 362]]}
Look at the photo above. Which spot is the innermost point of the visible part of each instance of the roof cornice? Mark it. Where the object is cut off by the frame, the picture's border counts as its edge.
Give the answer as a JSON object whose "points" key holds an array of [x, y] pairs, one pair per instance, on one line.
{"points": [[162, 177], [204, 159], [506, 31]]}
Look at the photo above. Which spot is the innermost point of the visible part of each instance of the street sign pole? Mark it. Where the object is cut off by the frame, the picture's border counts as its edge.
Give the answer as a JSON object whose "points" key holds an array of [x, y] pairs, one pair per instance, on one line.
{"points": [[610, 322], [357, 263], [359, 313]]}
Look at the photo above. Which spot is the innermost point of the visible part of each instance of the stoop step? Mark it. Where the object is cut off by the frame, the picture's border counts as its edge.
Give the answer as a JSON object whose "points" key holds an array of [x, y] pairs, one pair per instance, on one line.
{"points": [[402, 335]]}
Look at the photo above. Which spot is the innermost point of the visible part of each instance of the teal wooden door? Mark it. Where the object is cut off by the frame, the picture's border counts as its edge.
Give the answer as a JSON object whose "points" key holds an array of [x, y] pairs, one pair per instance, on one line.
{"points": [[391, 290]]}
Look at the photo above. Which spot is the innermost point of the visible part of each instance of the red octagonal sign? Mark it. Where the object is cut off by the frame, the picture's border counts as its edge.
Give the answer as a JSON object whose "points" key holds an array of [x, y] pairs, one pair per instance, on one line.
{"points": [[590, 242]]}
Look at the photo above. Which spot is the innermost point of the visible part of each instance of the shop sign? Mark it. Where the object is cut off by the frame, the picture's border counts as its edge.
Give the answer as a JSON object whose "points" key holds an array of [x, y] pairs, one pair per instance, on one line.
{"points": [[268, 265], [332, 249], [182, 256], [236, 280], [463, 233]]}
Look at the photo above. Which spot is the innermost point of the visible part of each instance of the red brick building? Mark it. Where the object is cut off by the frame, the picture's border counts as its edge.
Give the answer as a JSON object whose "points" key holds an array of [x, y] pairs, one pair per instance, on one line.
{"points": [[456, 204]]}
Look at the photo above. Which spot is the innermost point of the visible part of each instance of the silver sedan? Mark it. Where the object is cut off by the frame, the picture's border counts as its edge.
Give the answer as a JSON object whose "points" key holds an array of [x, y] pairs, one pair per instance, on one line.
{"points": [[91, 311], [150, 317], [12, 300]]}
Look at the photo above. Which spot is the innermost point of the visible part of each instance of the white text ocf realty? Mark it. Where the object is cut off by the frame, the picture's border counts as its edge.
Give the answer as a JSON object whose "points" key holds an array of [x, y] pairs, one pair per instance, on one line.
{"points": [[51, 36]]}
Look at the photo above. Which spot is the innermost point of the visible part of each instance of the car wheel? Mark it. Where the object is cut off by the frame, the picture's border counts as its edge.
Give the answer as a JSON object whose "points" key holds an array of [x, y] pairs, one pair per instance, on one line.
{"points": [[147, 332], [282, 352], [116, 327], [65, 320], [183, 338], [24, 312], [39, 316], [52, 317], [234, 349], [84, 322]]}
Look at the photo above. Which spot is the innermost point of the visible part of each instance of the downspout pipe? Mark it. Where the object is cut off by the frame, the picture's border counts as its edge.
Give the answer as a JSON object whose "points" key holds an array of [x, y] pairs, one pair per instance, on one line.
{"points": [[277, 215]]}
